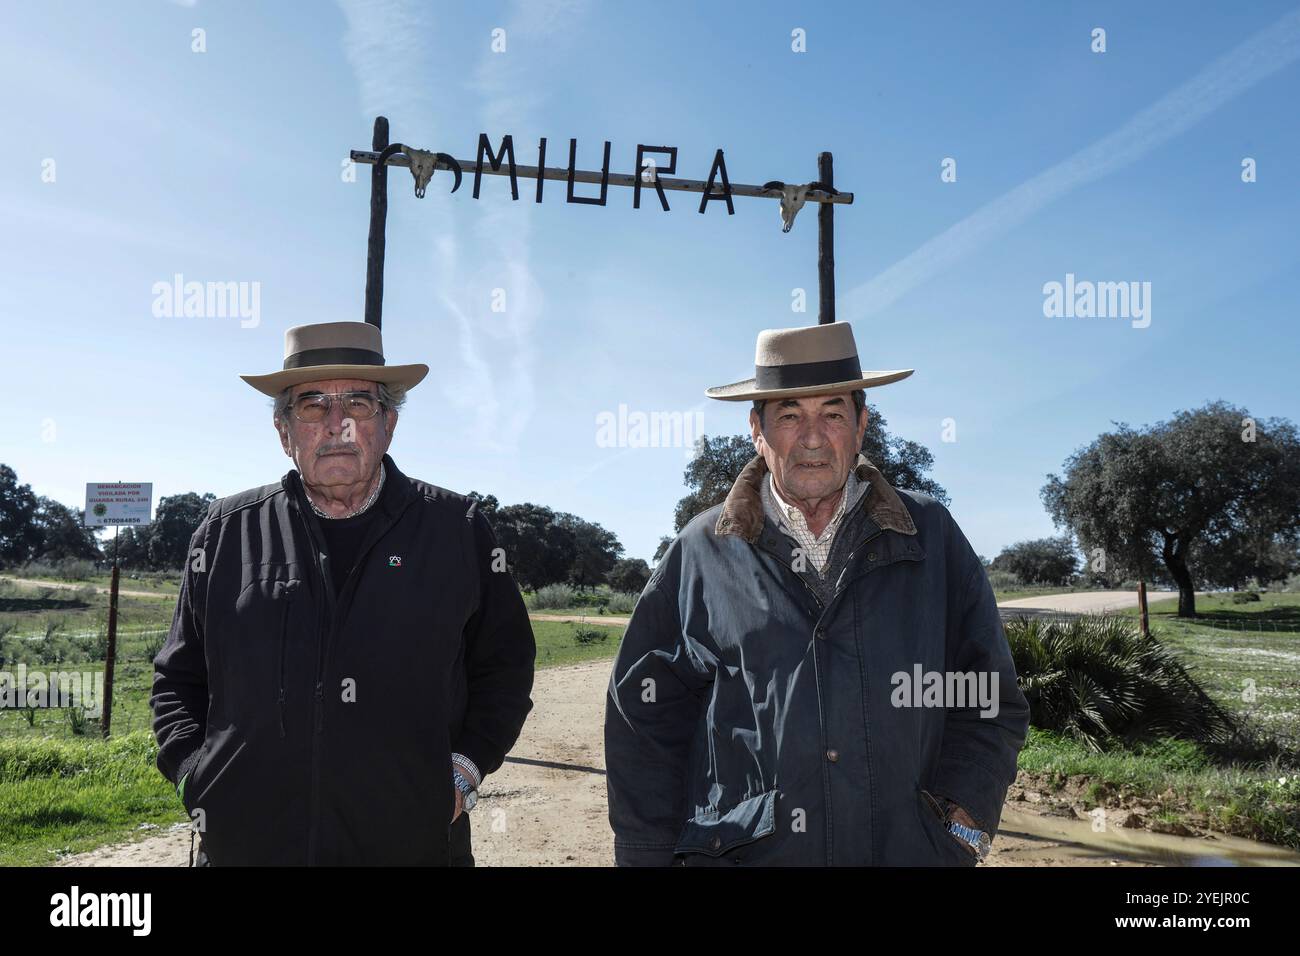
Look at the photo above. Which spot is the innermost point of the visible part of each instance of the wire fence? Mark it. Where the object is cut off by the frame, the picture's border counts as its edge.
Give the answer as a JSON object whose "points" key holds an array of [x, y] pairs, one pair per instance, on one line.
{"points": [[87, 646]]}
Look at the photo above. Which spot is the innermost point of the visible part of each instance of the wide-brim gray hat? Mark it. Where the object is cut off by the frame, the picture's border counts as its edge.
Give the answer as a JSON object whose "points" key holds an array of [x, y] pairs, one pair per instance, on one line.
{"points": [[804, 362], [314, 353]]}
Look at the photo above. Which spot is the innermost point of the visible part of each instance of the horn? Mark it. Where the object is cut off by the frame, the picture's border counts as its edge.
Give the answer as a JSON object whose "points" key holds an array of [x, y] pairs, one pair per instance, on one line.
{"points": [[453, 166]]}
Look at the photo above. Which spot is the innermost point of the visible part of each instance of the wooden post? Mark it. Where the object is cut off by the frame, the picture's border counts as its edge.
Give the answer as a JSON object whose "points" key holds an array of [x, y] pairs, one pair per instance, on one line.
{"points": [[1142, 608], [378, 221], [826, 244], [111, 655]]}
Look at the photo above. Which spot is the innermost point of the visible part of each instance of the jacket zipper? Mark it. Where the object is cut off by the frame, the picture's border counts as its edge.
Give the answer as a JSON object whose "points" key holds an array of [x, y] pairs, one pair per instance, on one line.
{"points": [[324, 618], [323, 562], [326, 592], [290, 589]]}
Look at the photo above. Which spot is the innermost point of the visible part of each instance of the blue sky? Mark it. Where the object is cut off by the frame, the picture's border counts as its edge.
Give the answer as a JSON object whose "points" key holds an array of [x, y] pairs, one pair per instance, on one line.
{"points": [[225, 165]]}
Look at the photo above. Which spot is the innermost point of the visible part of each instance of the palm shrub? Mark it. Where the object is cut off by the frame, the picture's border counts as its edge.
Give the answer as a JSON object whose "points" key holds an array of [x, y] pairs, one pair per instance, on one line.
{"points": [[1098, 680]]}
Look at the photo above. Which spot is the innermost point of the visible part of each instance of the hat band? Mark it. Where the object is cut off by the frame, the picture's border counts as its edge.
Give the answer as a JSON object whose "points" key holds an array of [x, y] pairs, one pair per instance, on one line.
{"points": [[805, 374], [332, 356]]}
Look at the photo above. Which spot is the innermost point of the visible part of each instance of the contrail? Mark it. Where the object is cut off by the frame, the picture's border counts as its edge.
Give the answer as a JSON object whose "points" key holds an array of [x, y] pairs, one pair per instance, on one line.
{"points": [[1260, 56]]}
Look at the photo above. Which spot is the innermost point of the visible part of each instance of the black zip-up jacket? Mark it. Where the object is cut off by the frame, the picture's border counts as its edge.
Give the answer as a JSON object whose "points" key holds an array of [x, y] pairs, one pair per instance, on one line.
{"points": [[317, 729]]}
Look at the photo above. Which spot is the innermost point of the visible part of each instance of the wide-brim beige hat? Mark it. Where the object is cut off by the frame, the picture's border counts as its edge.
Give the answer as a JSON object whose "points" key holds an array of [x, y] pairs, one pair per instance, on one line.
{"points": [[803, 362], [314, 353]]}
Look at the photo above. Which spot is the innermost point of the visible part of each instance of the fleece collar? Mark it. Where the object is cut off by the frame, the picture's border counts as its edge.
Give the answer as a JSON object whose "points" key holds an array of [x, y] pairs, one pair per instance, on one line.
{"points": [[742, 511]]}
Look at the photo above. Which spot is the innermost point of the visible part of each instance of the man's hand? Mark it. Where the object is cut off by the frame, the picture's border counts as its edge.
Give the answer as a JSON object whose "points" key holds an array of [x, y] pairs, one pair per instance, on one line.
{"points": [[962, 817]]}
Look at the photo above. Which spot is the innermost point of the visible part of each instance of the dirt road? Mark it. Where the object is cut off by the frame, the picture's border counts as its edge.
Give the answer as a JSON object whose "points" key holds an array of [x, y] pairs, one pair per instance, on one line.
{"points": [[64, 586], [1089, 602]]}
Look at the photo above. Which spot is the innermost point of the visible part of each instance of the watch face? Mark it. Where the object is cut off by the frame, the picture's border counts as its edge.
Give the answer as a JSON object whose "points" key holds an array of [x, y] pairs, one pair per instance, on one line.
{"points": [[471, 799]]}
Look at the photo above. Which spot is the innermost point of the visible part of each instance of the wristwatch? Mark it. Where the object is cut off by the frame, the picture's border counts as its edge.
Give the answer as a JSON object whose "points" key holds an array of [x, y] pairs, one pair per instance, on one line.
{"points": [[978, 840], [468, 794]]}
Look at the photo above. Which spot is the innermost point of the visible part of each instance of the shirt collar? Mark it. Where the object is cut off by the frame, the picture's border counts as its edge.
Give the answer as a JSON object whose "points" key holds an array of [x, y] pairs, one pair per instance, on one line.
{"points": [[790, 516]]}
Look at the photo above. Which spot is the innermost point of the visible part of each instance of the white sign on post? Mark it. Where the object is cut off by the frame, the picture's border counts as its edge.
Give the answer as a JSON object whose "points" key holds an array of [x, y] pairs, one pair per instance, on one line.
{"points": [[118, 503]]}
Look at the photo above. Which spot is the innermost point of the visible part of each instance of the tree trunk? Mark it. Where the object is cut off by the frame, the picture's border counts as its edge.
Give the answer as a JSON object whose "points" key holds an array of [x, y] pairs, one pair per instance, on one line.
{"points": [[1183, 578]]}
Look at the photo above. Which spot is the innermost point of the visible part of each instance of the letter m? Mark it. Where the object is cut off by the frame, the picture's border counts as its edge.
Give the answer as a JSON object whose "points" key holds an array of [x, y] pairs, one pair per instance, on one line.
{"points": [[494, 160]]}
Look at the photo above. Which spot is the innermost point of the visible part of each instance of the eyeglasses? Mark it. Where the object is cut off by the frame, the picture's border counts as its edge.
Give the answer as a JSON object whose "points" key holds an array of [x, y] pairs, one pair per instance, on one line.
{"points": [[315, 406]]}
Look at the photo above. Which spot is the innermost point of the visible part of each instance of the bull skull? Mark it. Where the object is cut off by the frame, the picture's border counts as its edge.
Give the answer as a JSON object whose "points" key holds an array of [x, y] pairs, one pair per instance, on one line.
{"points": [[792, 199], [423, 163]]}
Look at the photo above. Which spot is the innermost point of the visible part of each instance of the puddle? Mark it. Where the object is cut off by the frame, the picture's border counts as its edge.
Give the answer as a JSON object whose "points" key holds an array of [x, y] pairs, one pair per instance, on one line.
{"points": [[1036, 839]]}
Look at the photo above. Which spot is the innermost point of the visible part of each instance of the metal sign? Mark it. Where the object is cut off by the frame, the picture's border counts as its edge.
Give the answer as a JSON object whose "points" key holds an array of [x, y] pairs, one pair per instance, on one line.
{"points": [[118, 503], [501, 162], [717, 187]]}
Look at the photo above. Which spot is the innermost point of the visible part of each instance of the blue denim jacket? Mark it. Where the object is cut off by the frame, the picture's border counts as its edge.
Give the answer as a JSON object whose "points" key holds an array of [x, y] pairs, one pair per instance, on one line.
{"points": [[749, 722]]}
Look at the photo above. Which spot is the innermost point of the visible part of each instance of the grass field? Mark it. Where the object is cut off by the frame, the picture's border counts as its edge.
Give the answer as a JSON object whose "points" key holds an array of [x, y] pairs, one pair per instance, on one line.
{"points": [[1245, 656]]}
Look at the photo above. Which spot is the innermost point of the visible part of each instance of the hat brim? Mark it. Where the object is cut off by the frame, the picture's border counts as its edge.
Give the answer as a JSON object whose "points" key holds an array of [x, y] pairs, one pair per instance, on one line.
{"points": [[273, 383], [748, 389]]}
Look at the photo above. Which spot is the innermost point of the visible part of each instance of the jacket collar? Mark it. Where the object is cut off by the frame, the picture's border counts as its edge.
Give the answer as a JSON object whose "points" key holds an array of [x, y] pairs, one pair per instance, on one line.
{"points": [[402, 489], [742, 511]]}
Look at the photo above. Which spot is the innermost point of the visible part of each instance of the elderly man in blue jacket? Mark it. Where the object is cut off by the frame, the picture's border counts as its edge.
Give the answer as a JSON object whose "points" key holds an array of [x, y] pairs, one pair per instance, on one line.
{"points": [[816, 673]]}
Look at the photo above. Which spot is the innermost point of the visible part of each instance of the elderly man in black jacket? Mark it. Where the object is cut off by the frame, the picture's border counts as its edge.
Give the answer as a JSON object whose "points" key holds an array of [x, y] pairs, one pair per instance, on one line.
{"points": [[349, 656], [816, 673]]}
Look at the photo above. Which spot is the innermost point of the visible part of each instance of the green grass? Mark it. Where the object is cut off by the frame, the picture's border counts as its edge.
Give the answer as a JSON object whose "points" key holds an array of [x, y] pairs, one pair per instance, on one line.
{"points": [[69, 796], [1234, 660], [1275, 611], [1175, 781], [557, 644], [28, 606]]}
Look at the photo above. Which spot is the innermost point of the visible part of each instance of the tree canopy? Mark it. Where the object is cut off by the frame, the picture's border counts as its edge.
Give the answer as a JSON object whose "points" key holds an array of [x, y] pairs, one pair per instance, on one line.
{"points": [[1212, 495], [1049, 561], [544, 547], [36, 528]]}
